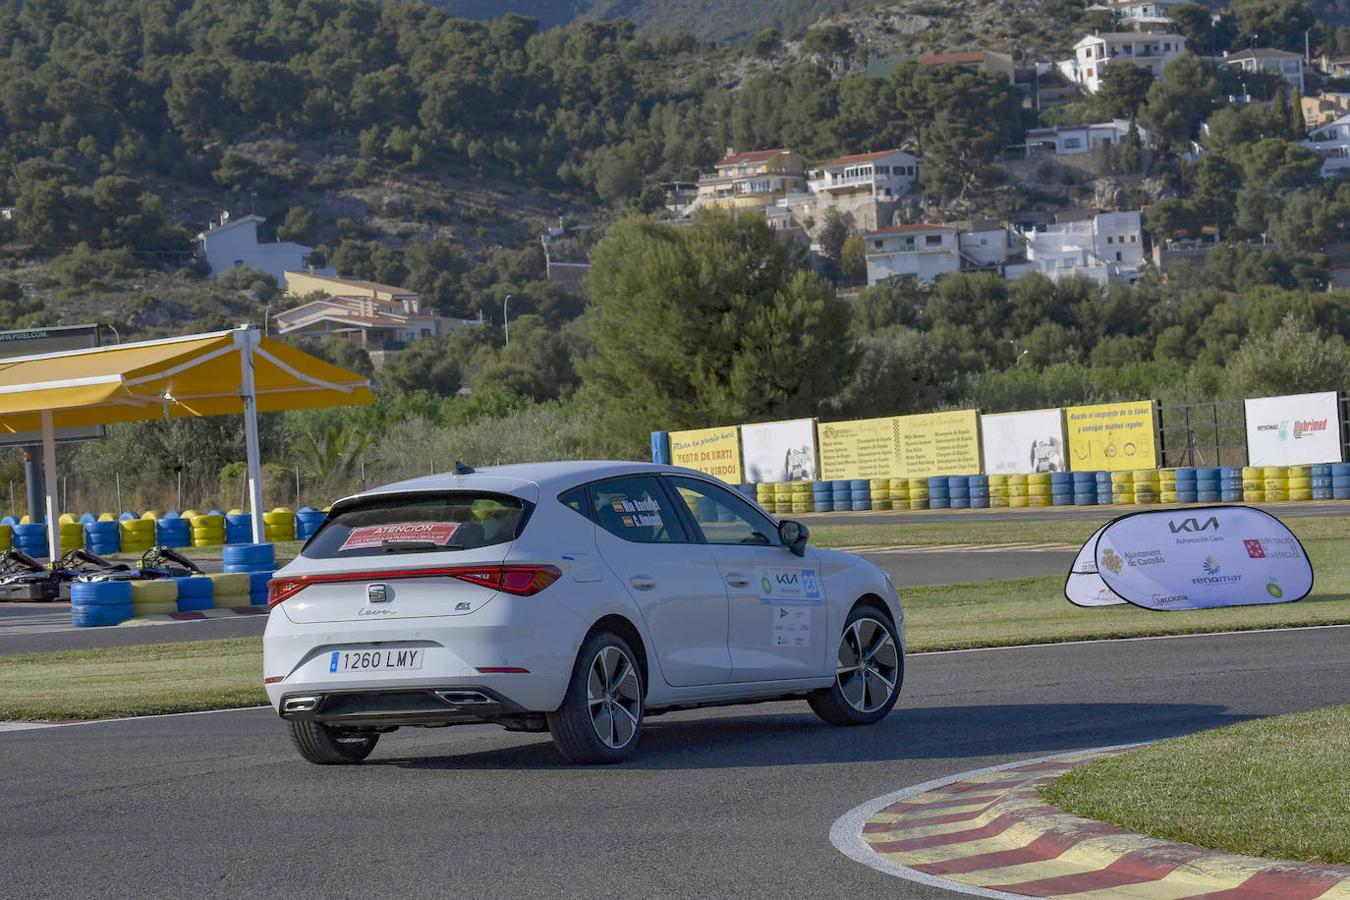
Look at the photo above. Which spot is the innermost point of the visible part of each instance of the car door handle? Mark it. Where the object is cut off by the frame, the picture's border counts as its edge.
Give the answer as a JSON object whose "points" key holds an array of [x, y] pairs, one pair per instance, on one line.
{"points": [[737, 580], [642, 582]]}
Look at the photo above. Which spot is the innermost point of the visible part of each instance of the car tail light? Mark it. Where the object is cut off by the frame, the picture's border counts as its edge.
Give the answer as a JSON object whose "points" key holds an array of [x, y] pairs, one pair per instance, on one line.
{"points": [[523, 581]]}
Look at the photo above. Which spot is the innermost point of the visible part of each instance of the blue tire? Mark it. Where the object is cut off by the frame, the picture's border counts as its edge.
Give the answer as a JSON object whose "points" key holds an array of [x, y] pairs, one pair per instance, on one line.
{"points": [[1230, 496], [859, 484], [257, 557], [1188, 496], [1208, 496], [939, 502], [1320, 471], [100, 593], [860, 505], [1061, 499], [99, 616], [195, 587], [1322, 493], [979, 502], [959, 503], [1085, 499]]}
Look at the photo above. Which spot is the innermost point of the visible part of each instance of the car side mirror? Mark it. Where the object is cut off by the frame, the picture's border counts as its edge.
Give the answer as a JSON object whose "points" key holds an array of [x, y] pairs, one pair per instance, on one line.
{"points": [[793, 535]]}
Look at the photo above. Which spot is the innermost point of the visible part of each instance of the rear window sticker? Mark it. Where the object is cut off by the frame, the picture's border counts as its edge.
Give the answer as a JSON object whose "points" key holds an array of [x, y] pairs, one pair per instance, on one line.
{"points": [[367, 536], [638, 513]]}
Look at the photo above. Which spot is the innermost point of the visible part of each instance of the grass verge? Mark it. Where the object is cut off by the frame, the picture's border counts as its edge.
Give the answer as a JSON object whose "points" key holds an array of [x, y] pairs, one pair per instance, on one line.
{"points": [[1271, 787], [218, 674]]}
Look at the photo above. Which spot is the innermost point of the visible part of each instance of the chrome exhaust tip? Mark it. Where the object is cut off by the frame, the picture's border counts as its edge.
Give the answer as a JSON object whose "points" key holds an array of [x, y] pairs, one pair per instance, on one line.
{"points": [[464, 698], [299, 704]]}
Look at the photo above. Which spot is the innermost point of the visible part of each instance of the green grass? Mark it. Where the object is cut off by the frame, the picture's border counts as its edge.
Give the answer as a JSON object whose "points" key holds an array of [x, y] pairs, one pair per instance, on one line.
{"points": [[979, 530], [217, 674], [1272, 787], [128, 681]]}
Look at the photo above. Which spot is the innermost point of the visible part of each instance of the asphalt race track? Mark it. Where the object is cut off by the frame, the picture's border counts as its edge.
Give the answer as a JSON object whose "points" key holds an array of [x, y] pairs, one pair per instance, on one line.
{"points": [[733, 802]]}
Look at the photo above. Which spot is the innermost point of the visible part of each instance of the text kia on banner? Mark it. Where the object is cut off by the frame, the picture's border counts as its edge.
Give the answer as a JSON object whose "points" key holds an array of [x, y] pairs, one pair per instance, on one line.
{"points": [[779, 451], [1297, 430], [1023, 442], [1202, 557], [1111, 437], [714, 451]]}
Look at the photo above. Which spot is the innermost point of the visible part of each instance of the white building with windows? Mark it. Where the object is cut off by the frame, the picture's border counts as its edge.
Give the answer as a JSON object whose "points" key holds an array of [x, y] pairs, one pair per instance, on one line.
{"points": [[234, 242], [1106, 247], [1147, 49], [884, 175], [1143, 12], [920, 251], [1070, 140], [1332, 142], [1288, 66]]}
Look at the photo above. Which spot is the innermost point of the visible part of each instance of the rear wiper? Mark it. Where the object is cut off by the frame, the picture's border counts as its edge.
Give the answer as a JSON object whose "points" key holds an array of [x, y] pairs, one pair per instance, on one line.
{"points": [[416, 546]]}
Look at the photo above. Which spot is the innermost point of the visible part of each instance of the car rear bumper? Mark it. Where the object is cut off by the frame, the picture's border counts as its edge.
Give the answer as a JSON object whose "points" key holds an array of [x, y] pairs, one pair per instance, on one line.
{"points": [[449, 705]]}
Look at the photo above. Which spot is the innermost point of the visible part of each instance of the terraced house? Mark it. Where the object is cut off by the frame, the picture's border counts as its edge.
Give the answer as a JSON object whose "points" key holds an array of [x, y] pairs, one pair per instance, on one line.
{"points": [[752, 180]]}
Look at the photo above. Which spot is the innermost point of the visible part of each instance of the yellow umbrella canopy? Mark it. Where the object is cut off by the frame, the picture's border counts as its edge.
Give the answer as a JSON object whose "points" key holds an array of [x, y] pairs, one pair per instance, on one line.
{"points": [[223, 373], [197, 375]]}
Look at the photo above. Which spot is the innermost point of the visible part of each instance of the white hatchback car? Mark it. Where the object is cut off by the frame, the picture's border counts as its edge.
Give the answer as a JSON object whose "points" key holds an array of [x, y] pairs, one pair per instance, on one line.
{"points": [[576, 598]]}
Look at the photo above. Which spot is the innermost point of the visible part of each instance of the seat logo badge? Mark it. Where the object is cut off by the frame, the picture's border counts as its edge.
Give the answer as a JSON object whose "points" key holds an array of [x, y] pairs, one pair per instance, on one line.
{"points": [[377, 593]]}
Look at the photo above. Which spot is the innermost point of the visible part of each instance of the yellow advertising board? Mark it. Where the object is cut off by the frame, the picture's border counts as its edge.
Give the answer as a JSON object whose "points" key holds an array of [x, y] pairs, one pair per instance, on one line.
{"points": [[1111, 437], [713, 451], [862, 448], [945, 443]]}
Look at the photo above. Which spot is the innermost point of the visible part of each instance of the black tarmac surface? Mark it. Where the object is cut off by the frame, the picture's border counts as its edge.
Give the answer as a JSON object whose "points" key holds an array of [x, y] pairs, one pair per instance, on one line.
{"points": [[734, 802]]}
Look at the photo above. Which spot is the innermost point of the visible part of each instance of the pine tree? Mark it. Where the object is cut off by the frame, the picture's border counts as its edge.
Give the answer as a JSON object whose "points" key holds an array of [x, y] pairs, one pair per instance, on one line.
{"points": [[1297, 124]]}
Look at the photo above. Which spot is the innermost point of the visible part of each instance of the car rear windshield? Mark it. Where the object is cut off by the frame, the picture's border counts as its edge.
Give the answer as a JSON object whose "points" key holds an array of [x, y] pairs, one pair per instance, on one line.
{"points": [[418, 523]]}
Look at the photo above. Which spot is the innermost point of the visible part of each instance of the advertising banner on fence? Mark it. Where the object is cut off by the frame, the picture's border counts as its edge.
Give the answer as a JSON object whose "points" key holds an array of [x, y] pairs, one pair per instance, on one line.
{"points": [[862, 448], [1112, 437], [1202, 557], [714, 451], [778, 451], [1300, 429], [943, 443], [1023, 442]]}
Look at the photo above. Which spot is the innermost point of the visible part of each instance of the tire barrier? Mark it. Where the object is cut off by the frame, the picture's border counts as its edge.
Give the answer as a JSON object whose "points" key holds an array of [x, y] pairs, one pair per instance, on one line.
{"points": [[978, 486], [6, 537], [958, 491], [208, 530], [96, 603], [230, 590], [31, 538], [154, 598], [238, 528], [136, 535], [103, 537], [72, 534], [257, 587], [1340, 481], [998, 491], [172, 531], [249, 558], [195, 593]]}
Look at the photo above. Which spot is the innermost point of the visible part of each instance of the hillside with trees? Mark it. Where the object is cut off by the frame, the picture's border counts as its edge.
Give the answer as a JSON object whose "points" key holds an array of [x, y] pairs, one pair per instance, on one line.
{"points": [[413, 147]]}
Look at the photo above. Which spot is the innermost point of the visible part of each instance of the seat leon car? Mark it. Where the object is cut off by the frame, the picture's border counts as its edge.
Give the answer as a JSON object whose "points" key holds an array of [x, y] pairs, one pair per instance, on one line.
{"points": [[576, 598]]}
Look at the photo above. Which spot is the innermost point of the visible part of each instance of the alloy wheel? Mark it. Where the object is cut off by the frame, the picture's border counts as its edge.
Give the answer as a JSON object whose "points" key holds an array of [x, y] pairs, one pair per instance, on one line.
{"points": [[868, 666], [614, 697]]}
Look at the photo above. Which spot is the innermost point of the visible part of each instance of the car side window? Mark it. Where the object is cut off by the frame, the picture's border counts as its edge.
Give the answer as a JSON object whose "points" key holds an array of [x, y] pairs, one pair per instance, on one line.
{"points": [[576, 500], [636, 509], [723, 517]]}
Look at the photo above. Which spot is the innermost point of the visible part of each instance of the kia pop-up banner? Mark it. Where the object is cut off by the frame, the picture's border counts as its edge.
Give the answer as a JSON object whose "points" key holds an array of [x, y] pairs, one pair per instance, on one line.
{"points": [[1084, 586], [1297, 430], [1197, 558]]}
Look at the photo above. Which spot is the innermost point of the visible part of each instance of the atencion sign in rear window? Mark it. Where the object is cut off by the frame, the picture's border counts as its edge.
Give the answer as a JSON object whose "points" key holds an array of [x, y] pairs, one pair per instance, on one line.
{"points": [[418, 523]]}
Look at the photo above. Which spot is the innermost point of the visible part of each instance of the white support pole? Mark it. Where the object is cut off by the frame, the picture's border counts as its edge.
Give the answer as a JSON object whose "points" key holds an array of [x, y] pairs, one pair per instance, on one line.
{"points": [[52, 515], [246, 339]]}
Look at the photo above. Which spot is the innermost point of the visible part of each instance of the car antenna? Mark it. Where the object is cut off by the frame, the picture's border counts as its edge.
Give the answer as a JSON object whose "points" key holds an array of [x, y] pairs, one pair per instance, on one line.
{"points": [[461, 469]]}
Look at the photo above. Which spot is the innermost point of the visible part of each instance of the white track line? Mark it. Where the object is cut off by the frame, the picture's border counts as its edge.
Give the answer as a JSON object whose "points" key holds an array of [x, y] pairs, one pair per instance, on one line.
{"points": [[846, 832], [31, 726], [1129, 640]]}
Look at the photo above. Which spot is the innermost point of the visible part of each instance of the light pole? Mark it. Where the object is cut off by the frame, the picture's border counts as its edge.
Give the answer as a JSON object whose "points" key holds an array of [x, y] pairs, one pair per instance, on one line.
{"points": [[506, 317], [267, 314]]}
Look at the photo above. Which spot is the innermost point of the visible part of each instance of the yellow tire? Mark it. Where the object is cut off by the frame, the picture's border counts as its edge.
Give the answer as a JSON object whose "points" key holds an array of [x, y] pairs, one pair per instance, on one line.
{"points": [[1144, 497], [1167, 496], [1017, 502], [1276, 495], [6, 537], [998, 502], [149, 515], [229, 583], [1039, 478], [1253, 496], [230, 601], [163, 590], [918, 502], [1299, 483], [1274, 472], [882, 504], [1274, 484], [1300, 493]]}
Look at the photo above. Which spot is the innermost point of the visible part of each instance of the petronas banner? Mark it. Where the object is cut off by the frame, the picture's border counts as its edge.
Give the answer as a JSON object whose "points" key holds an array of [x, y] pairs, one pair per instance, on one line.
{"points": [[1194, 558]]}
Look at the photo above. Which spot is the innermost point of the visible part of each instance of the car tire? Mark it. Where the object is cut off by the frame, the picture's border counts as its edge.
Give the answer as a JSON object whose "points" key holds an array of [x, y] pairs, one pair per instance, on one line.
{"points": [[600, 720], [326, 746], [869, 671]]}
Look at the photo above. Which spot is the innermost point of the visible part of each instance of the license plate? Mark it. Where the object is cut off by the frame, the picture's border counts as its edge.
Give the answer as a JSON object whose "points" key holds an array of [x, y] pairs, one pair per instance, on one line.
{"points": [[374, 660]]}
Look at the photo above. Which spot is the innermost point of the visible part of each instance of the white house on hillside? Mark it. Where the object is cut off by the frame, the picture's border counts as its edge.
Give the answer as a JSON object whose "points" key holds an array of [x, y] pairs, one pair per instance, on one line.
{"points": [[1105, 247], [1332, 142], [884, 175], [234, 242], [922, 251], [1288, 66], [1147, 49], [1069, 140]]}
